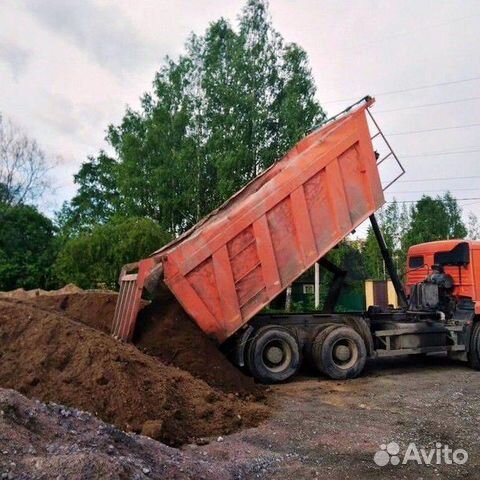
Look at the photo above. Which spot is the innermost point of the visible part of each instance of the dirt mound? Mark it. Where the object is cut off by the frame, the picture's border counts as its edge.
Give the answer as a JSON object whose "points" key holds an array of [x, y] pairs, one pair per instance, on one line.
{"points": [[21, 293], [53, 358], [93, 308], [69, 288], [164, 331], [168, 333]]}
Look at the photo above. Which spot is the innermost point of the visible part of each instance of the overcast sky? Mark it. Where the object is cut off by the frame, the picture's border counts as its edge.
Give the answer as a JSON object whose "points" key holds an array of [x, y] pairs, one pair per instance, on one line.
{"points": [[69, 68]]}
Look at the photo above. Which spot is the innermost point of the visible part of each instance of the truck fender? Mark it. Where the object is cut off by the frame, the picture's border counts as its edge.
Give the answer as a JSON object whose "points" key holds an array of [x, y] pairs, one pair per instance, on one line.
{"points": [[241, 341]]}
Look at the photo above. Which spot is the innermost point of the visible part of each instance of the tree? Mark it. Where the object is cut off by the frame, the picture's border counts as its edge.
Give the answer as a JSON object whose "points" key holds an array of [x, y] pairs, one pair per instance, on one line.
{"points": [[94, 259], [232, 104], [427, 220], [473, 227], [434, 219], [27, 248], [97, 196], [23, 166], [393, 221]]}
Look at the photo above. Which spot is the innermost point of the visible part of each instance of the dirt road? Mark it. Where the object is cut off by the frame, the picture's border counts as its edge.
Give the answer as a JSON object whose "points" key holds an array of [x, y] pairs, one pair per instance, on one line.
{"points": [[329, 429]]}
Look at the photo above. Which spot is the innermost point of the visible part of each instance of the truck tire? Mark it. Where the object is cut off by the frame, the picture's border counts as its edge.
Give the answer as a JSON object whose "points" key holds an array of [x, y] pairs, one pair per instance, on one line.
{"points": [[313, 350], [474, 353], [340, 353], [273, 355]]}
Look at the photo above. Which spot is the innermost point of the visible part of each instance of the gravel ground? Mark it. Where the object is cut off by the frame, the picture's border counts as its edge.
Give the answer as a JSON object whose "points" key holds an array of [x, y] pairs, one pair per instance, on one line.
{"points": [[328, 429], [318, 429]]}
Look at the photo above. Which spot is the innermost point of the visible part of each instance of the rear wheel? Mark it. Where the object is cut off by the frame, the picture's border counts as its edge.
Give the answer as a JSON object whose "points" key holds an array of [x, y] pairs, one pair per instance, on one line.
{"points": [[474, 353], [313, 351], [273, 355], [340, 352]]}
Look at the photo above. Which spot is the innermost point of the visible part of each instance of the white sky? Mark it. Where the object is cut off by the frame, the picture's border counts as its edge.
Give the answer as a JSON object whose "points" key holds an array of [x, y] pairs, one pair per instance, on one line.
{"points": [[69, 68]]}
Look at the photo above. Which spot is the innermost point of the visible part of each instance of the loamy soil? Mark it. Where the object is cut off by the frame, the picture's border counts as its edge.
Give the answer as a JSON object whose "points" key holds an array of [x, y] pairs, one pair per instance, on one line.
{"points": [[163, 330], [47, 355], [93, 308], [167, 332]]}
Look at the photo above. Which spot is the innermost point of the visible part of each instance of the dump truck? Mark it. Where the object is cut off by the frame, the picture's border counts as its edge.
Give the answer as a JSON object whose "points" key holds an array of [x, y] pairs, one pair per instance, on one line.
{"points": [[226, 269]]}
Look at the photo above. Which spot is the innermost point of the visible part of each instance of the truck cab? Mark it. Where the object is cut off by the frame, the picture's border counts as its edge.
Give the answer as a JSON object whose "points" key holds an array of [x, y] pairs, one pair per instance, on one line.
{"points": [[460, 259]]}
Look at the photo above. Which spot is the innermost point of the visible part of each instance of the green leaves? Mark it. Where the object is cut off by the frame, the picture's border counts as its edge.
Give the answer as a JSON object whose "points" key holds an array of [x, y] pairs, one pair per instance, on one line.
{"points": [[232, 104], [94, 259], [434, 219], [427, 220], [27, 248], [235, 102]]}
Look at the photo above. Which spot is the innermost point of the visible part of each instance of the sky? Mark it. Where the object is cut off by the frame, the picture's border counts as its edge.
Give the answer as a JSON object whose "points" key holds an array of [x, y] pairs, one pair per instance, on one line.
{"points": [[68, 69]]}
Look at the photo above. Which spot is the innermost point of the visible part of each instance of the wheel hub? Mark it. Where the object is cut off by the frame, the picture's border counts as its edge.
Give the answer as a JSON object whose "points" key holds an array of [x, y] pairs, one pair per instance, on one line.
{"points": [[342, 353], [274, 355]]}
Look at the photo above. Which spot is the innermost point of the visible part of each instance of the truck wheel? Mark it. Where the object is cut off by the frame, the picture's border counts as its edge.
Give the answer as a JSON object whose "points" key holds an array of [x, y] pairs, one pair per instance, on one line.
{"points": [[474, 353], [273, 355], [340, 353], [313, 350]]}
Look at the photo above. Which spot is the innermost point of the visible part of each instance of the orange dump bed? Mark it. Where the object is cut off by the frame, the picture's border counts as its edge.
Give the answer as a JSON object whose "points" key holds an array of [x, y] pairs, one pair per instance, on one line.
{"points": [[239, 258]]}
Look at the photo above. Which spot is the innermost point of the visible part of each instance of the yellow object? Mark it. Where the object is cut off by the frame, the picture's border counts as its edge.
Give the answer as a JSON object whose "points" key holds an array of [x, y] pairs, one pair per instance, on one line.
{"points": [[380, 292]]}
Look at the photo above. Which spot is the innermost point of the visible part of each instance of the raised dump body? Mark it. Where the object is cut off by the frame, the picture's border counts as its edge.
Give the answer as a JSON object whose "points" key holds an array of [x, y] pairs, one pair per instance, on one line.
{"points": [[235, 261]]}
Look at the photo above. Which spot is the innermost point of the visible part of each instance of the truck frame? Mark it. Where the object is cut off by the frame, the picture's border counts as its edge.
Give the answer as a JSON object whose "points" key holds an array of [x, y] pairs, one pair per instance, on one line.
{"points": [[227, 268]]}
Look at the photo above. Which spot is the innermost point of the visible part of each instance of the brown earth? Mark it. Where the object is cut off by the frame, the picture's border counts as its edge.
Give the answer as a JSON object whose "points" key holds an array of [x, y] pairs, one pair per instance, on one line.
{"points": [[168, 333], [48, 356], [163, 330], [36, 292], [93, 308]]}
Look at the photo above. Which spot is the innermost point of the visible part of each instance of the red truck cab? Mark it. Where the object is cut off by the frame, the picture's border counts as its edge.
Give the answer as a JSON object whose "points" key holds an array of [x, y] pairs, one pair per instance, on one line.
{"points": [[459, 258]]}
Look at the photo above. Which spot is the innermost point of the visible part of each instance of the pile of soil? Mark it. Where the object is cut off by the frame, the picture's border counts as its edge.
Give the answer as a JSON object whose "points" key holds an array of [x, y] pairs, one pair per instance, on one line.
{"points": [[53, 358], [93, 308], [163, 330], [167, 332], [22, 293]]}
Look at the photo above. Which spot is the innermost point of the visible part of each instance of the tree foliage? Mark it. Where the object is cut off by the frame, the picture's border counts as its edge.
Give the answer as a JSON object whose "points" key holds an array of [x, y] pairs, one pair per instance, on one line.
{"points": [[394, 221], [27, 248], [97, 196], [94, 258], [232, 104], [427, 220], [434, 219]]}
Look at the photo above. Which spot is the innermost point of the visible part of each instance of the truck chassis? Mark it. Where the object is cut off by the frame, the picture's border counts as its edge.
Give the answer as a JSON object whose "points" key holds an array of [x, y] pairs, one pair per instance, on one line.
{"points": [[383, 334]]}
